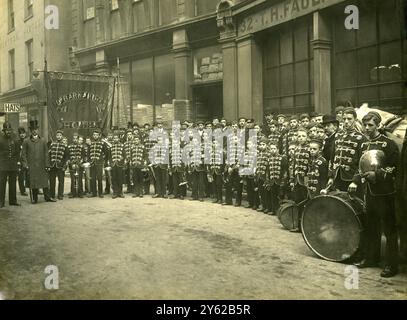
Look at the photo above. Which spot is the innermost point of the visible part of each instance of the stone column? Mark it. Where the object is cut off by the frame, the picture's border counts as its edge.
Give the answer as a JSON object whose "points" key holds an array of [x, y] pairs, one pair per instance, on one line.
{"points": [[183, 75], [230, 80], [250, 78], [322, 46]]}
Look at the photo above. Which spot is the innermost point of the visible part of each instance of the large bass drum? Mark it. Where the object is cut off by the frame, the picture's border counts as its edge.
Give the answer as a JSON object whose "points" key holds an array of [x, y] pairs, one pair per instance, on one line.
{"points": [[332, 226]]}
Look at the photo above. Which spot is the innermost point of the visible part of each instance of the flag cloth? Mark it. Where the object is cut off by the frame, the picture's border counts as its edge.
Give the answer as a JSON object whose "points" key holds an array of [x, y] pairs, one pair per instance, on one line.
{"points": [[79, 103]]}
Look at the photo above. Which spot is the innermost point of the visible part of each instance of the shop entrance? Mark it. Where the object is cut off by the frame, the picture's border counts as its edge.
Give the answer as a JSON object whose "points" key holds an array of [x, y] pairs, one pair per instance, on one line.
{"points": [[208, 101]]}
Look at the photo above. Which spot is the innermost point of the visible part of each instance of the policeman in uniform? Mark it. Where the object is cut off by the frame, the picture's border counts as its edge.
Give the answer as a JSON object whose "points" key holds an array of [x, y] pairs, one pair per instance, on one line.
{"points": [[116, 160], [137, 164], [77, 156], [10, 149], [344, 162], [379, 191], [276, 179], [58, 156], [97, 155], [23, 178], [317, 175]]}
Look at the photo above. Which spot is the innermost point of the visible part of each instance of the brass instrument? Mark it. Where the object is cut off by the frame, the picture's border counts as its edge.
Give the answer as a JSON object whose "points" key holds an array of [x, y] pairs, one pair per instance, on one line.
{"points": [[108, 172], [76, 179], [86, 166]]}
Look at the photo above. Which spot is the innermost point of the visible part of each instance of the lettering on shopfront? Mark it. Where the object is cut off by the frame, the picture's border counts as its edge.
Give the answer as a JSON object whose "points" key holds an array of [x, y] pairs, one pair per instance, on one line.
{"points": [[12, 108], [281, 12]]}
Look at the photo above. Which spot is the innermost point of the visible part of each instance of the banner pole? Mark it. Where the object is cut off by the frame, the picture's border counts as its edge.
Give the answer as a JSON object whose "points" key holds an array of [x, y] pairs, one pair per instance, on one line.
{"points": [[118, 93]]}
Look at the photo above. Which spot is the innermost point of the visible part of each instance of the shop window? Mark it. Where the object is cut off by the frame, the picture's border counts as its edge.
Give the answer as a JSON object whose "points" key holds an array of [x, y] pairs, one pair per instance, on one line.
{"points": [[368, 63], [287, 63], [153, 82]]}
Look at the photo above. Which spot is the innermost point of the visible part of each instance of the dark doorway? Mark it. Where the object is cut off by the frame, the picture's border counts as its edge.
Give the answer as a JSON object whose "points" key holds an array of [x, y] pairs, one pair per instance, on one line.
{"points": [[208, 101]]}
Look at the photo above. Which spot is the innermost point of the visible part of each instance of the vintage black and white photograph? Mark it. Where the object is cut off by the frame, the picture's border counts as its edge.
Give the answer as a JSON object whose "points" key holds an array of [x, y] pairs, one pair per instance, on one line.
{"points": [[203, 150]]}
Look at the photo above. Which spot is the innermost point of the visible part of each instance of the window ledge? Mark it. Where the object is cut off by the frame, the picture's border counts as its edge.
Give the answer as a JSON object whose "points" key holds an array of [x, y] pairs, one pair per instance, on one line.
{"points": [[11, 30], [28, 17]]}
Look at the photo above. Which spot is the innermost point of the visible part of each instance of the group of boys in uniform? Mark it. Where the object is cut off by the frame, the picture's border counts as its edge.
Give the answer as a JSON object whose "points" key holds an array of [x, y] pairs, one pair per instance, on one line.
{"points": [[291, 157]]}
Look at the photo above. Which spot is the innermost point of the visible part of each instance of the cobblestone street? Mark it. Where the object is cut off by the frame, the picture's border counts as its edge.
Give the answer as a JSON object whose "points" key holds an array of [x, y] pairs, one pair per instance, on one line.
{"points": [[167, 249]]}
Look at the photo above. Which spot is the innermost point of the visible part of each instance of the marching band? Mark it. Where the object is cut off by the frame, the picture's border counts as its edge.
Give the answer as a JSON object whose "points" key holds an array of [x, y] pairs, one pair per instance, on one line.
{"points": [[291, 158]]}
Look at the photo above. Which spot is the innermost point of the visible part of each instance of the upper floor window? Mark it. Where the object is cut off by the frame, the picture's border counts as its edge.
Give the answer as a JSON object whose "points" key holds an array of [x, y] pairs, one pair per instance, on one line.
{"points": [[30, 60], [12, 66], [205, 6], [167, 11], [29, 8], [88, 9], [11, 21], [114, 5]]}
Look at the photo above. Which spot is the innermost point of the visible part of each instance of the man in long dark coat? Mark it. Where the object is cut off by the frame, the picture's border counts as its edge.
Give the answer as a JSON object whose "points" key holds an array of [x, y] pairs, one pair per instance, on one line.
{"points": [[10, 148], [35, 157]]}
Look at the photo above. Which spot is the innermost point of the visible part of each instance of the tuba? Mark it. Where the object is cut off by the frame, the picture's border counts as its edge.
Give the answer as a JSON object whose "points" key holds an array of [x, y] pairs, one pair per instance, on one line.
{"points": [[371, 160]]}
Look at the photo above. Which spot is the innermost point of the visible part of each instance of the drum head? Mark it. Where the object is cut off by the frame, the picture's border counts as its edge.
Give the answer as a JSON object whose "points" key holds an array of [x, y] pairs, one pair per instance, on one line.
{"points": [[331, 228]]}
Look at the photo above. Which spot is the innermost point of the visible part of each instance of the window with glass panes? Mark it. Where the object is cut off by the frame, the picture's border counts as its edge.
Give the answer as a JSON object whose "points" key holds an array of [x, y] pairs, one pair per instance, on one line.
{"points": [[12, 66], [205, 6], [11, 20], [368, 64], [288, 65], [30, 62], [29, 8]]}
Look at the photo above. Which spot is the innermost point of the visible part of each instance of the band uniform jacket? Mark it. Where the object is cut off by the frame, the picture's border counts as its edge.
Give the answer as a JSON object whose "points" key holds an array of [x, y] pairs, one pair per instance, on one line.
{"points": [[196, 157], [385, 180], [97, 153], [278, 170], [347, 152], [35, 156], [76, 154], [117, 155], [262, 164], [301, 162], [128, 145], [248, 167], [137, 157], [58, 155], [286, 138], [176, 162], [217, 165], [235, 152], [317, 175], [10, 150], [161, 155], [274, 138]]}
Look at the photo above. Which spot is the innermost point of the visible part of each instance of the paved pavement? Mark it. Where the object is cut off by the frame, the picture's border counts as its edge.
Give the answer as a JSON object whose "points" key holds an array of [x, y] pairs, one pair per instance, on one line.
{"points": [[167, 249]]}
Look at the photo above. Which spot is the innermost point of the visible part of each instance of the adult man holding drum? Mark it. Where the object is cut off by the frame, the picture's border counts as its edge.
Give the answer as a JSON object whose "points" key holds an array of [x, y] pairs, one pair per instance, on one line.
{"points": [[378, 169]]}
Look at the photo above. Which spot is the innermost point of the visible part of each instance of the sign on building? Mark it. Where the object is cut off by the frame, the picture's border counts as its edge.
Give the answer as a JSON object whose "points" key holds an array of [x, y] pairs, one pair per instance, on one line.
{"points": [[12, 108]]}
